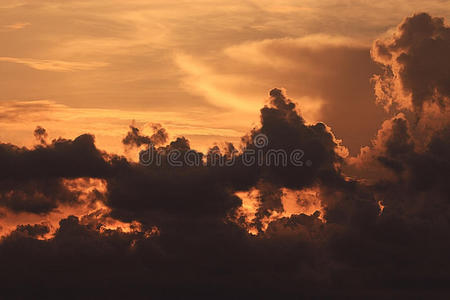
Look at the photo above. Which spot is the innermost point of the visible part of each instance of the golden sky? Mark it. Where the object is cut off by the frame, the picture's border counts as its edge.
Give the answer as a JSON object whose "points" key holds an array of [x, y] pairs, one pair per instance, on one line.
{"points": [[200, 68], [334, 185]]}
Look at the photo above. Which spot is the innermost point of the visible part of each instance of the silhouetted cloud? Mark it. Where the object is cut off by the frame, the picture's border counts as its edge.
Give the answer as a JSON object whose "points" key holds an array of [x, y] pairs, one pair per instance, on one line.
{"points": [[376, 238], [31, 180], [36, 230], [40, 134], [416, 63], [134, 137]]}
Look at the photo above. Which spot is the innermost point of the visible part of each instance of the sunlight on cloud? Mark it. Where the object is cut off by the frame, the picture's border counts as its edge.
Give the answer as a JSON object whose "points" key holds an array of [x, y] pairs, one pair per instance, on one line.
{"points": [[294, 202], [213, 85]]}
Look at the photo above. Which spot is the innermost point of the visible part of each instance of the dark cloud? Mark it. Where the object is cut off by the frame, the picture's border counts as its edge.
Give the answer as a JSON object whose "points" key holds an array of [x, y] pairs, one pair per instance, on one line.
{"points": [[41, 135], [62, 158], [191, 241], [36, 230], [285, 129], [167, 192], [32, 180], [332, 75], [37, 196], [416, 56], [135, 138], [410, 156]]}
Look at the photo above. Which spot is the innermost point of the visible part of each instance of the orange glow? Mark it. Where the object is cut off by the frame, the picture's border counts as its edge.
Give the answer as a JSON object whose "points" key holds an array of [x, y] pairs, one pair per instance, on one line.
{"points": [[305, 201], [294, 202], [90, 210], [380, 204], [250, 204]]}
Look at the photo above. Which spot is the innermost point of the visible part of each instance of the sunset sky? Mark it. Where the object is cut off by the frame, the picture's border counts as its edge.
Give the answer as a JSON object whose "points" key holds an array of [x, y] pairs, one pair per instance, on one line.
{"points": [[202, 69], [361, 89]]}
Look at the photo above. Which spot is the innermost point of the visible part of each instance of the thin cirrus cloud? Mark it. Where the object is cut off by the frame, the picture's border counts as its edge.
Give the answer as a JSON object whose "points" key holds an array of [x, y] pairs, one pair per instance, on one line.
{"points": [[157, 50], [16, 26], [54, 65]]}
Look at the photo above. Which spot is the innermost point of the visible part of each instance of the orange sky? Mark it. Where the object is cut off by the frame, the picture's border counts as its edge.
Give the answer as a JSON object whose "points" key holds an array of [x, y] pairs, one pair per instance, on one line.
{"points": [[200, 68], [335, 182]]}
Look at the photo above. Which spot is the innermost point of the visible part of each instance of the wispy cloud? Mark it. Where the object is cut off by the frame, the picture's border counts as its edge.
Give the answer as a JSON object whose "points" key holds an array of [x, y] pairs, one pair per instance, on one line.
{"points": [[16, 26], [54, 65]]}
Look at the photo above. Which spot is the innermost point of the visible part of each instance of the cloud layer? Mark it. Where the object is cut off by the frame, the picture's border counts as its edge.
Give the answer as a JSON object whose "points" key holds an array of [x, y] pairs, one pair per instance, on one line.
{"points": [[206, 231]]}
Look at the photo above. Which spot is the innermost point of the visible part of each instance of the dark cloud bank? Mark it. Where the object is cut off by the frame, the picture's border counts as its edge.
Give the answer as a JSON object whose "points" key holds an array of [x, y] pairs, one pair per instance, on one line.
{"points": [[202, 248]]}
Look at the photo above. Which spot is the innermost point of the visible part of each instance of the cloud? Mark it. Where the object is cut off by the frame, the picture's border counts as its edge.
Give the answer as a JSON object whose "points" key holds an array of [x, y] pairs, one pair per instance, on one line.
{"points": [[318, 70], [32, 180], [19, 118], [36, 230], [138, 41], [40, 134], [192, 202], [416, 66], [406, 160], [186, 236], [54, 65], [16, 26], [134, 138], [189, 222]]}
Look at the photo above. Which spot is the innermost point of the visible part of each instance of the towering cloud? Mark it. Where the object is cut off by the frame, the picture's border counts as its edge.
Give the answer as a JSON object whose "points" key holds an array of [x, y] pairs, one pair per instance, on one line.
{"points": [[416, 63]]}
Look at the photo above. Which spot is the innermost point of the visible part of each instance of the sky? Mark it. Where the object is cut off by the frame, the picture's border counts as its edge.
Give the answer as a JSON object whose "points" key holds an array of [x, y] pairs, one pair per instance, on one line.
{"points": [[224, 150], [200, 68]]}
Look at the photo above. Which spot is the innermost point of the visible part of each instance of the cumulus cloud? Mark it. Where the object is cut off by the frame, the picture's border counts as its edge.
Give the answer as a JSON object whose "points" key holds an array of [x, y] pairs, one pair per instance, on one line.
{"points": [[197, 204], [31, 180], [328, 75], [188, 237], [408, 161], [416, 63]]}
